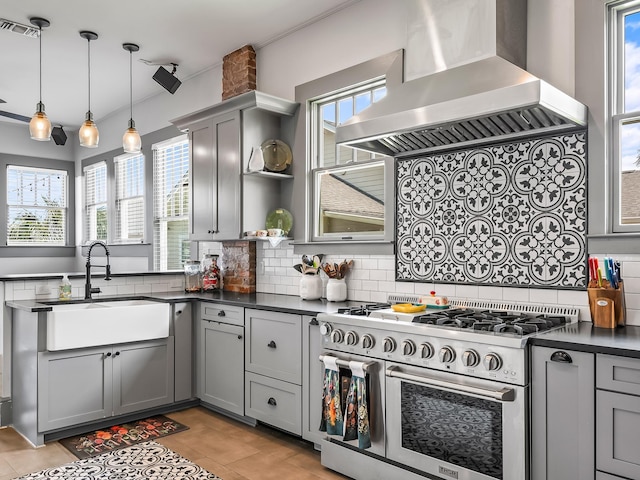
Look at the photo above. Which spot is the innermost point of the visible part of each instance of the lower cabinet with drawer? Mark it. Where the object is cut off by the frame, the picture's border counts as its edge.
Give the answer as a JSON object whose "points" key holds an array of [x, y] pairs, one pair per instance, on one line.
{"points": [[221, 357], [618, 417], [273, 369]]}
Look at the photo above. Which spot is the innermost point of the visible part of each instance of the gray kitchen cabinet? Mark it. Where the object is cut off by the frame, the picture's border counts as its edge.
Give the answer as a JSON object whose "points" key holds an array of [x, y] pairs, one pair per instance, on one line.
{"points": [[312, 373], [273, 368], [562, 414], [618, 416], [221, 357], [184, 352], [225, 203], [77, 386]]}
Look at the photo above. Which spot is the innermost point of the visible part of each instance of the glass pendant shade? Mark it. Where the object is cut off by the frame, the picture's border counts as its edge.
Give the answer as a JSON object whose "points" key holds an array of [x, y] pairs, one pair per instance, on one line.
{"points": [[131, 142], [40, 126], [88, 133]]}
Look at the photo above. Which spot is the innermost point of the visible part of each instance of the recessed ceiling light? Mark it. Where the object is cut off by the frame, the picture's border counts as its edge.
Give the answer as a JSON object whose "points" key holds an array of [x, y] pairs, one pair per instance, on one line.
{"points": [[19, 28]]}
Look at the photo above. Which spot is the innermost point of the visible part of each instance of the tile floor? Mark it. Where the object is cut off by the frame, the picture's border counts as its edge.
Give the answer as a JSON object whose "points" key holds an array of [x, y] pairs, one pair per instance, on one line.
{"points": [[230, 449]]}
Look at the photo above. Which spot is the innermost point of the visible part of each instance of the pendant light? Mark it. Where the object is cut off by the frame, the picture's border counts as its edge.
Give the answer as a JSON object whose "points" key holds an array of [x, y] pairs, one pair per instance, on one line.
{"points": [[88, 133], [131, 141], [40, 126]]}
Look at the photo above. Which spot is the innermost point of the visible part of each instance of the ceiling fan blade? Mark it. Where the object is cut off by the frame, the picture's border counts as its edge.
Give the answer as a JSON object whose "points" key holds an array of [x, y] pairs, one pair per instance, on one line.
{"points": [[15, 116]]}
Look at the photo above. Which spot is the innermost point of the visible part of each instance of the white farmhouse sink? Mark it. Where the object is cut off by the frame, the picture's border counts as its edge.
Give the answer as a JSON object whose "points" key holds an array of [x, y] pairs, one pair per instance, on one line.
{"points": [[81, 325]]}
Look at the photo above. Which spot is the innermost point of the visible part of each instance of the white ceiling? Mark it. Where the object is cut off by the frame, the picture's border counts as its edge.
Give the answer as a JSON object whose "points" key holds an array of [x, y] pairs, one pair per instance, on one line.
{"points": [[195, 34]]}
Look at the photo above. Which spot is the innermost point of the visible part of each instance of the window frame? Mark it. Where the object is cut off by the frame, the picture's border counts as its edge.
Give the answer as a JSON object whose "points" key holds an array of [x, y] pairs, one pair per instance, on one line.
{"points": [[389, 67], [617, 115], [119, 199], [67, 250], [86, 230]]}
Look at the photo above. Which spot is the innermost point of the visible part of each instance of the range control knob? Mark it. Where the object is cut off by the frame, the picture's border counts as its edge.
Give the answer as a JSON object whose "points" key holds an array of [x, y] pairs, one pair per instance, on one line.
{"points": [[426, 350], [388, 345], [351, 338], [470, 358], [408, 347], [447, 354], [492, 362], [325, 329], [337, 336], [367, 341]]}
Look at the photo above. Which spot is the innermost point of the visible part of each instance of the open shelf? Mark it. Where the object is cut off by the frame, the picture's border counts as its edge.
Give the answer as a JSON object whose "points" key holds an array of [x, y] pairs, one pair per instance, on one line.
{"points": [[265, 173]]}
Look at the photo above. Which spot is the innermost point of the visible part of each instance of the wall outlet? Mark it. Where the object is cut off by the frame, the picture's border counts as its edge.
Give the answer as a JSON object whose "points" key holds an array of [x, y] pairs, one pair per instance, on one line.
{"points": [[261, 268]]}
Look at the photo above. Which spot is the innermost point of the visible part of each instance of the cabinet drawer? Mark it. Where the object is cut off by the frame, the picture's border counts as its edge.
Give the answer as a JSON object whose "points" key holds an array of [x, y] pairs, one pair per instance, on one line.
{"points": [[619, 374], [222, 313], [274, 402], [274, 345]]}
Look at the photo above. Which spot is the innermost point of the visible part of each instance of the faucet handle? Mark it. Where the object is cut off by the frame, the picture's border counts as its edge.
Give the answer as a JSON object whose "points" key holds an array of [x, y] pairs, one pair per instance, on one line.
{"points": [[108, 272]]}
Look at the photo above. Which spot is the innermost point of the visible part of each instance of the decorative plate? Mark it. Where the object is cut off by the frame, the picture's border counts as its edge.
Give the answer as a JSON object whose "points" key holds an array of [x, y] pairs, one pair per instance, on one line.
{"points": [[277, 155], [280, 218], [408, 307]]}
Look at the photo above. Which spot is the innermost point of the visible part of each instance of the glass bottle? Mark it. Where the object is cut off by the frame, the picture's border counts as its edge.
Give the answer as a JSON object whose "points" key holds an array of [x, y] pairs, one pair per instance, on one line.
{"points": [[210, 273], [192, 276]]}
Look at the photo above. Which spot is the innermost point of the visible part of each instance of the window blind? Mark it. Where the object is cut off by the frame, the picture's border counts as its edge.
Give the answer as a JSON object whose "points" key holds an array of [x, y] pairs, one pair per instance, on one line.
{"points": [[36, 206], [95, 202], [129, 177], [171, 203]]}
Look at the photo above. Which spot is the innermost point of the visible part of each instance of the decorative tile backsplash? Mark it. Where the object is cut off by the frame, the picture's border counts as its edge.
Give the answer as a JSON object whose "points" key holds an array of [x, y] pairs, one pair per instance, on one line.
{"points": [[512, 214]]}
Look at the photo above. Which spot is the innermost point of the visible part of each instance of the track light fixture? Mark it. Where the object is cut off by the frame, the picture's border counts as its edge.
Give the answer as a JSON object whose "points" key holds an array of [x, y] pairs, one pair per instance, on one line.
{"points": [[131, 141], [88, 133], [167, 79], [40, 126]]}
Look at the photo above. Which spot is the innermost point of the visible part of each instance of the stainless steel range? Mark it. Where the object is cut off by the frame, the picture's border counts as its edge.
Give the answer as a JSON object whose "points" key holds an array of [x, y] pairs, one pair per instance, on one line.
{"points": [[448, 388]]}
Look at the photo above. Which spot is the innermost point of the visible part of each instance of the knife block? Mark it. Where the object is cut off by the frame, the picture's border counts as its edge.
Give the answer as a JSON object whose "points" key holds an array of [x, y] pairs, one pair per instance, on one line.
{"points": [[607, 305]]}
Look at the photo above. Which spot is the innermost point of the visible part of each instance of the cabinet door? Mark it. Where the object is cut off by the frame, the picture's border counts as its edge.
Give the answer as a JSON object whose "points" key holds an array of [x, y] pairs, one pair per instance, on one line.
{"points": [[184, 385], [618, 434], [562, 414], [221, 369], [227, 211], [312, 372], [202, 174], [143, 375], [74, 386], [274, 345]]}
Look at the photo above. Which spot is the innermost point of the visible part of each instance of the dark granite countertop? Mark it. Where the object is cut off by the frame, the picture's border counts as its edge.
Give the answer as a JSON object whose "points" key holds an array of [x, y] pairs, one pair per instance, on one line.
{"points": [[263, 301], [583, 336]]}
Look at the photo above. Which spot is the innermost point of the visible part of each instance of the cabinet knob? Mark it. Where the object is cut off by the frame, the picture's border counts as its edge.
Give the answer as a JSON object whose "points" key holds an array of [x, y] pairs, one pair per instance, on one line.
{"points": [[562, 357], [239, 337], [272, 401], [116, 354], [179, 312], [313, 321], [108, 354], [271, 344], [221, 313]]}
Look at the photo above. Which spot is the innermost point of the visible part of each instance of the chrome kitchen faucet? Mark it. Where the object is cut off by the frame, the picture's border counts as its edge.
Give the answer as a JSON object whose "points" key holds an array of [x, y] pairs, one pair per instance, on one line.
{"points": [[87, 286]]}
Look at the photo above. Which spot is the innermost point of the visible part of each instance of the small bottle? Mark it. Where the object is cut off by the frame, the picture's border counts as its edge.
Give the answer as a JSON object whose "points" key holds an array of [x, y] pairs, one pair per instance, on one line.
{"points": [[64, 290]]}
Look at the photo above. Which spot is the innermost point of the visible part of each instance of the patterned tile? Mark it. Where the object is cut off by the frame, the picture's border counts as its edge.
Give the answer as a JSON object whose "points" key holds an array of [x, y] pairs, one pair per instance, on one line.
{"points": [[148, 460], [511, 215]]}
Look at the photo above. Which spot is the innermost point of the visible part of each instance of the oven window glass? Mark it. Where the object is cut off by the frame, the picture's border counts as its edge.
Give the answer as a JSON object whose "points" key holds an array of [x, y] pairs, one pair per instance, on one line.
{"points": [[455, 428]]}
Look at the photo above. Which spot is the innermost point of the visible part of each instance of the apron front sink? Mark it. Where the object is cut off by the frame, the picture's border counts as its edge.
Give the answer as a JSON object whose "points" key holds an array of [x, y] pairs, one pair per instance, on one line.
{"points": [[103, 323]]}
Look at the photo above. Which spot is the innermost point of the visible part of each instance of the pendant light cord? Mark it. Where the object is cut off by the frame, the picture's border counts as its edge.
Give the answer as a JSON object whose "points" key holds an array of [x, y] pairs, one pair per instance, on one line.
{"points": [[40, 38], [89, 62], [131, 84]]}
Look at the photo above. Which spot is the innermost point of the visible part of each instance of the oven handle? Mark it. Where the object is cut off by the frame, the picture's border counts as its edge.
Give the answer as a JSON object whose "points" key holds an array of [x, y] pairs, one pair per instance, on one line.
{"points": [[503, 395], [344, 363]]}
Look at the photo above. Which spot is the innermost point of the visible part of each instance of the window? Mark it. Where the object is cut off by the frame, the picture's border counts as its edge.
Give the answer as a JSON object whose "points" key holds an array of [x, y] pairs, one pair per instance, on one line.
{"points": [[36, 206], [129, 222], [348, 184], [625, 82], [171, 204], [95, 200]]}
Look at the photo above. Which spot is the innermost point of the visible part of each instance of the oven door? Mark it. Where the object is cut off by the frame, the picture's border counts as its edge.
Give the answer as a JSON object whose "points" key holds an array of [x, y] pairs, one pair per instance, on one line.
{"points": [[375, 392], [454, 426]]}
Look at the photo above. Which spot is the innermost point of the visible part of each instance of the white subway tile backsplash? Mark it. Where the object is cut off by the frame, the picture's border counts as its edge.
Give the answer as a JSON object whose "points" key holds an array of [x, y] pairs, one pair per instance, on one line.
{"points": [[514, 294], [466, 291], [490, 293], [539, 295]]}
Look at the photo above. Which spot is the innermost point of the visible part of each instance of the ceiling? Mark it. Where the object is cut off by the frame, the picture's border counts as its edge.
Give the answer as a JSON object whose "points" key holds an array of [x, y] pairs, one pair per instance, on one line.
{"points": [[195, 34]]}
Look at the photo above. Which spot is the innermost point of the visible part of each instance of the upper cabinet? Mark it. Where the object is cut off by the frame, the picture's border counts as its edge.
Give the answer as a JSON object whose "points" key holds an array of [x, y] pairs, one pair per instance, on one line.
{"points": [[225, 202]]}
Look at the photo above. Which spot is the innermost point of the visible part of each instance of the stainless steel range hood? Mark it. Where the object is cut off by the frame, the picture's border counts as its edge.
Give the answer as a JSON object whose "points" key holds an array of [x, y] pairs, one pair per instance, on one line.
{"points": [[485, 100]]}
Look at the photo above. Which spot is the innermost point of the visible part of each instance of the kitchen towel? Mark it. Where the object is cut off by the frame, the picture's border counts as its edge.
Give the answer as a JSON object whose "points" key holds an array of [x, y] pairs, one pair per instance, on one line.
{"points": [[357, 413], [332, 417]]}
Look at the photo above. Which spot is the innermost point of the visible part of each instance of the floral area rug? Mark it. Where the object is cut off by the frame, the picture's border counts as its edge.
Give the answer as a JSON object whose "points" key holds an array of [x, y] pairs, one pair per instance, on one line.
{"points": [[147, 460], [120, 436]]}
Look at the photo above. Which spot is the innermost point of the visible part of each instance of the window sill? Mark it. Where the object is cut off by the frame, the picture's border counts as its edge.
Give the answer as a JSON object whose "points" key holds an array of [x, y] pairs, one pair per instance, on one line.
{"points": [[7, 251], [347, 247], [614, 243], [121, 250]]}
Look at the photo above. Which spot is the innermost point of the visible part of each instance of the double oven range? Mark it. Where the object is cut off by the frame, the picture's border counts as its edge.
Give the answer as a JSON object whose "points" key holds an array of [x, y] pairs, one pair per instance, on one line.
{"points": [[447, 389]]}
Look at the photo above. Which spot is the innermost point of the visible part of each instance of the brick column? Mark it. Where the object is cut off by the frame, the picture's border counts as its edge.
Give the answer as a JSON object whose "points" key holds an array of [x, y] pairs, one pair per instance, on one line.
{"points": [[238, 72], [239, 266]]}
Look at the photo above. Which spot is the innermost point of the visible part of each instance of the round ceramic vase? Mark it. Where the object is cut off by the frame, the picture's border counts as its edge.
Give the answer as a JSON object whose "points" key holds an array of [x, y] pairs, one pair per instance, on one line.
{"points": [[336, 290], [310, 287]]}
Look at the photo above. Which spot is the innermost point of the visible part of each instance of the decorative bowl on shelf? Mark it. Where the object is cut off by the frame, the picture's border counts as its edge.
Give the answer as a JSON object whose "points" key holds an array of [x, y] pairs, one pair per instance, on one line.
{"points": [[280, 218]]}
